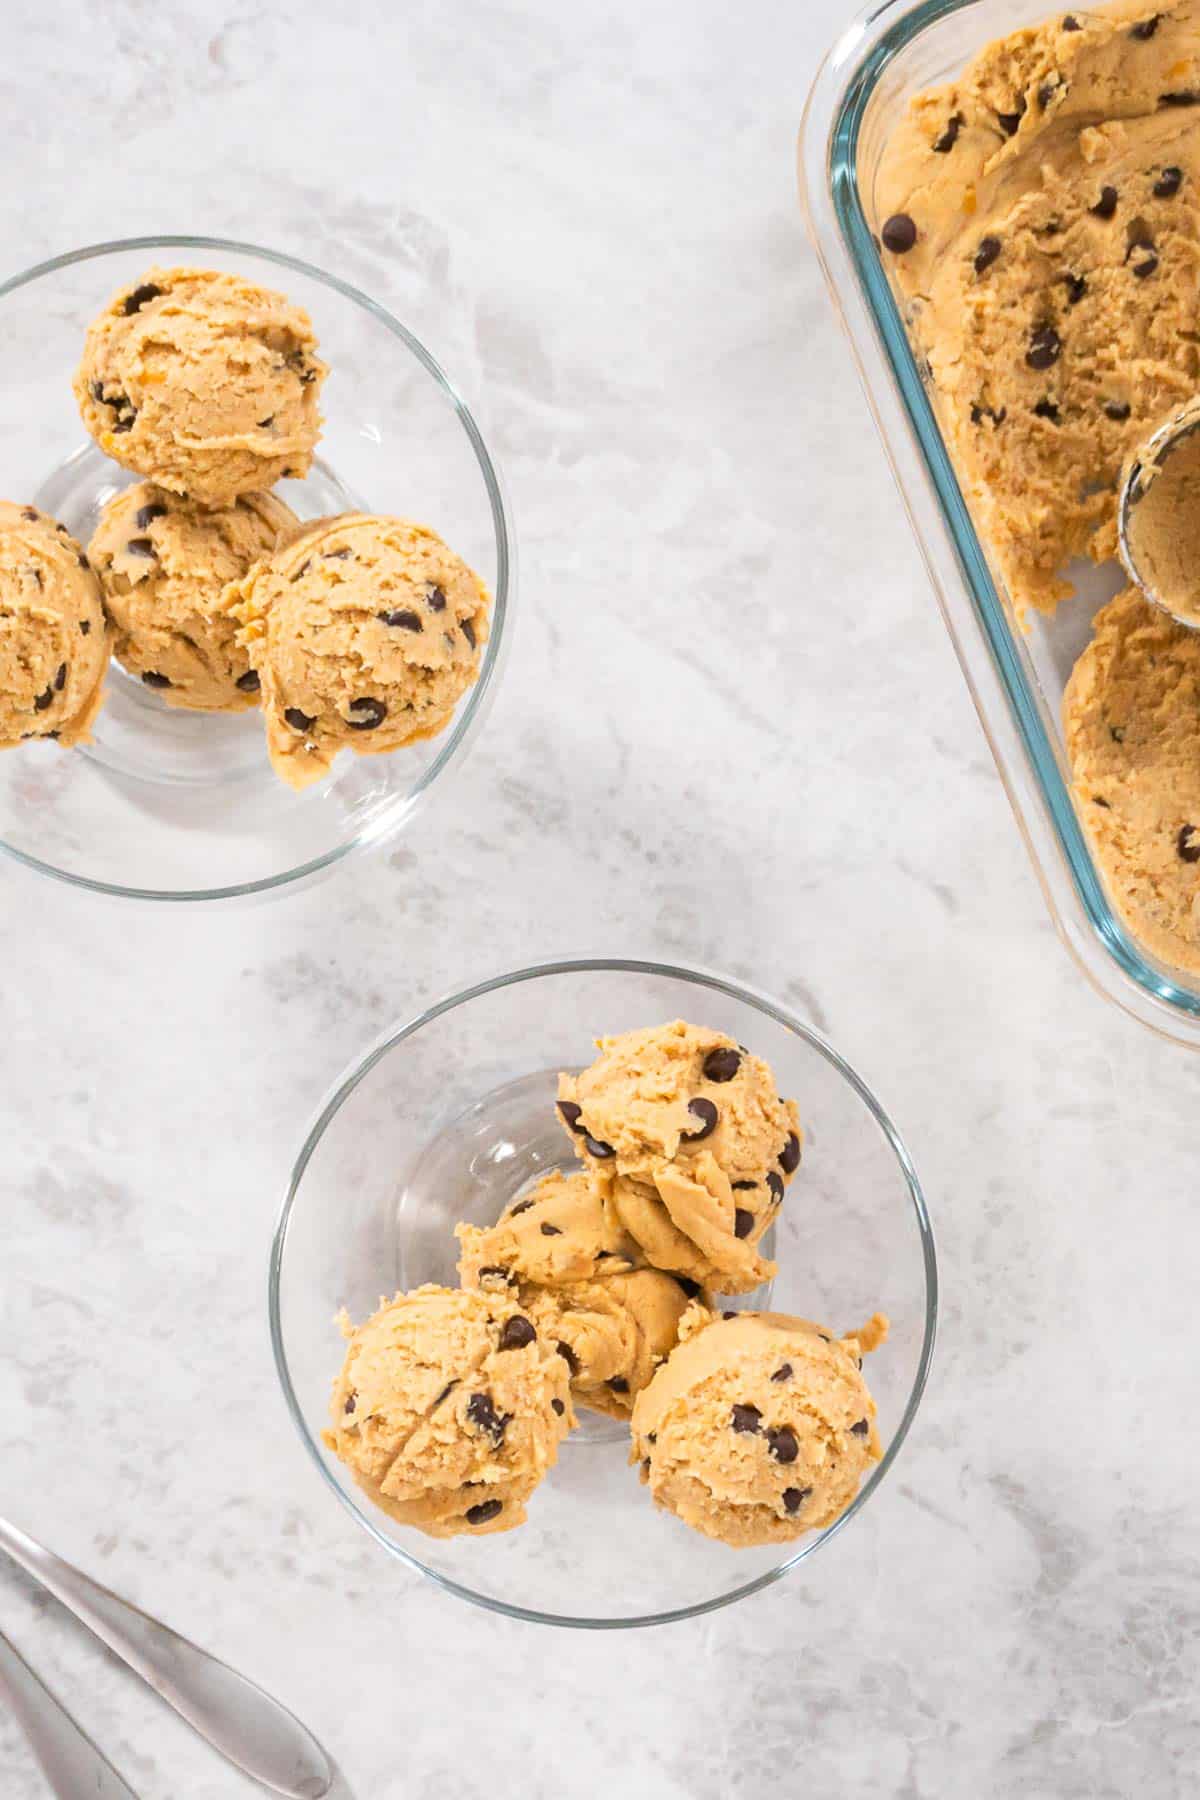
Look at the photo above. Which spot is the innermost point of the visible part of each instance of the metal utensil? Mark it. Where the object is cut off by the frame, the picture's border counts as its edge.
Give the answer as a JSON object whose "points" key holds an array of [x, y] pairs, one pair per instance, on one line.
{"points": [[1143, 469], [70, 1761], [255, 1733]]}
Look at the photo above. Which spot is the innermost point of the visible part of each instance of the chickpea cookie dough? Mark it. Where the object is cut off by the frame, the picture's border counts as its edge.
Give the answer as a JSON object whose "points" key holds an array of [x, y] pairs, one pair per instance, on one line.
{"points": [[692, 1145], [1131, 715], [583, 1283], [449, 1409], [1040, 216], [164, 563], [203, 382], [365, 632], [759, 1426], [54, 643]]}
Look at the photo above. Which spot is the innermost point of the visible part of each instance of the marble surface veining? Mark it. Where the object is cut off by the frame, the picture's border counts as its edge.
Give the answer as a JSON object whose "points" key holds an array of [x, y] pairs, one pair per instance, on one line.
{"points": [[732, 731]]}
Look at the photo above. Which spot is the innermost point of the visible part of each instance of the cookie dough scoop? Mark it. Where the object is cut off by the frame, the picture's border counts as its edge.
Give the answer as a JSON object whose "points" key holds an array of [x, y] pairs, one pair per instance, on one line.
{"points": [[449, 1409], [1158, 516], [54, 642], [759, 1426]]}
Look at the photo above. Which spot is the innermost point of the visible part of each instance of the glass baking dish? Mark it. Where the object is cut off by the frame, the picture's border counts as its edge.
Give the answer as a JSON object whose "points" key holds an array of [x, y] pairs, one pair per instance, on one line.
{"points": [[1016, 676]]}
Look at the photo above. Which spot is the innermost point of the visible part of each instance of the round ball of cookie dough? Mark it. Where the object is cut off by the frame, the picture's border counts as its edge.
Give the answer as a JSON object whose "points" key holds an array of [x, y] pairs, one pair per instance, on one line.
{"points": [[449, 1409], [693, 1144], [204, 382], [581, 1281], [164, 563], [758, 1427], [365, 633], [54, 644]]}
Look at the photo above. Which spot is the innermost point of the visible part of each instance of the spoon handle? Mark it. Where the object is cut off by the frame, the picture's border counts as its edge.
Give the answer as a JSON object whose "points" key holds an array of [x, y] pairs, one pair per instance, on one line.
{"points": [[69, 1760], [247, 1726]]}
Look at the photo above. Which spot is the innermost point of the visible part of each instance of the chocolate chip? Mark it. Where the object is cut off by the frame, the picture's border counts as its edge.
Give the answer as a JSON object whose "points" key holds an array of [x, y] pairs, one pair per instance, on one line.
{"points": [[1097, 800], [794, 1498], [949, 137], [1009, 121], [1147, 261], [264, 424], [1168, 183], [899, 234], [721, 1064], [618, 1384], [986, 253], [336, 555], [1117, 409], [250, 682], [146, 515], [468, 631], [980, 413], [1188, 98], [124, 422], [1076, 288], [1117, 733], [299, 721], [444, 1395], [44, 701], [789, 1156], [1046, 409], [1145, 28], [435, 599], [691, 1288], [729, 1315], [559, 1408], [517, 1331], [1046, 93], [370, 714], [153, 679], [349, 1406], [741, 1187], [824, 1337], [403, 619], [302, 570], [1106, 205], [83, 561], [520, 1207], [97, 391], [652, 1437], [60, 680], [494, 1269], [746, 1418], [1071, 23], [1045, 346], [141, 296], [775, 1185], [783, 1372], [569, 1357], [782, 1444], [596, 1147], [707, 1114], [85, 625], [30, 512], [551, 1231], [487, 1509], [1188, 843], [743, 1222], [482, 1412], [861, 1428], [570, 1114], [140, 547]]}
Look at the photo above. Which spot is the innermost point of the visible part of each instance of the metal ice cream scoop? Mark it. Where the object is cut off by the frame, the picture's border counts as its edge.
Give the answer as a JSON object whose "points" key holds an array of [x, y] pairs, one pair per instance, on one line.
{"points": [[1158, 516], [254, 1732]]}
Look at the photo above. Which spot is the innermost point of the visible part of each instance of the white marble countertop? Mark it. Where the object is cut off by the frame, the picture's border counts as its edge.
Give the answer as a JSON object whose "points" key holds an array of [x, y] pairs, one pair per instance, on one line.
{"points": [[732, 732]]}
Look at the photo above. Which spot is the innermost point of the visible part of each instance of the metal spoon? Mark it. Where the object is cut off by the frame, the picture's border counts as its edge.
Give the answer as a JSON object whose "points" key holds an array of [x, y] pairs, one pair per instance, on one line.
{"points": [[1143, 470], [70, 1761], [255, 1733]]}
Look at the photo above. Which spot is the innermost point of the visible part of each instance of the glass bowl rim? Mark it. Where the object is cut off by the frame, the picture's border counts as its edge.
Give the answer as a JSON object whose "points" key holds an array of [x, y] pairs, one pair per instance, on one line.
{"points": [[503, 599], [394, 1035], [859, 57]]}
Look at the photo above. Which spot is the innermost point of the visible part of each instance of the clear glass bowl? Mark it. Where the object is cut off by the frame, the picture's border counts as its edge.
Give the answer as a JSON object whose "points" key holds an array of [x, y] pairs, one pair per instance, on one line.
{"points": [[448, 1117], [889, 53], [171, 805]]}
